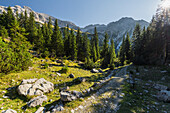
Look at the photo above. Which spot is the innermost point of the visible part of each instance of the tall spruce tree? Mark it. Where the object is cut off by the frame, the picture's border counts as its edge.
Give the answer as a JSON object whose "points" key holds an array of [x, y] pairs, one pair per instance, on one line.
{"points": [[128, 48], [122, 56], [32, 29], [96, 39], [112, 55], [73, 45], [105, 51], [79, 41], [57, 40], [93, 50], [86, 46], [66, 40]]}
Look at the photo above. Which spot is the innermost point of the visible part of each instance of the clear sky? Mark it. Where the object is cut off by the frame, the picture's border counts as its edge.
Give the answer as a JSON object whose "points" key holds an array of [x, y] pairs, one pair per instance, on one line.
{"points": [[85, 12]]}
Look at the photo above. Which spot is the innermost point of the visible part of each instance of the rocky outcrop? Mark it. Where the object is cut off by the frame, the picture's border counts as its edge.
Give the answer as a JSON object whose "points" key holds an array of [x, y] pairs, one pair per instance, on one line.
{"points": [[68, 96], [35, 87], [37, 101], [9, 111], [160, 87]]}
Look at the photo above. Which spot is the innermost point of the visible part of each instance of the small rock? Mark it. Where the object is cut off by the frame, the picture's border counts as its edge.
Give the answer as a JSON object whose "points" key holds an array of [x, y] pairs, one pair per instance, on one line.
{"points": [[5, 96], [137, 73], [3, 91], [40, 110], [1, 108], [163, 71], [94, 71], [72, 111], [64, 89], [101, 71], [81, 107], [71, 75], [163, 78], [164, 95], [59, 74], [57, 108], [70, 96], [50, 100], [146, 91]]}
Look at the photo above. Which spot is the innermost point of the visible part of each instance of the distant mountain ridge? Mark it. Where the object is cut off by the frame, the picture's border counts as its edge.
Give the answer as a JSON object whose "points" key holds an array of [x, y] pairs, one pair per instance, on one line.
{"points": [[115, 30], [39, 17]]}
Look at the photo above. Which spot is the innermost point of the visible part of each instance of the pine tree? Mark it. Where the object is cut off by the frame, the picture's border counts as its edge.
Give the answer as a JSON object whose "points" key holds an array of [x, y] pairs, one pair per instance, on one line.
{"points": [[105, 51], [93, 50], [86, 46], [112, 55], [57, 40], [66, 40], [79, 42], [122, 56], [96, 38], [39, 44], [73, 45], [128, 48], [32, 29]]}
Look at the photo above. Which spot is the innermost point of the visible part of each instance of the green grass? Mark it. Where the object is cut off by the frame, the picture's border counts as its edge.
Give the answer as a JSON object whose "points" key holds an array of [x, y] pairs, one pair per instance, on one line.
{"points": [[137, 100], [14, 79]]}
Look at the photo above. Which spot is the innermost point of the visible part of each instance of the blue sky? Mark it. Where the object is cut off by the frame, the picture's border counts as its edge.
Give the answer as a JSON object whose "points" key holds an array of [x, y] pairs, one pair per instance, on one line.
{"points": [[85, 12]]}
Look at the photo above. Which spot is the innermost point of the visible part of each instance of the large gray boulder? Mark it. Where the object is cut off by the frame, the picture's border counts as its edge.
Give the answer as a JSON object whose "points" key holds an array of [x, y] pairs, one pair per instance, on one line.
{"points": [[37, 101], [70, 95], [9, 111], [35, 87], [164, 95]]}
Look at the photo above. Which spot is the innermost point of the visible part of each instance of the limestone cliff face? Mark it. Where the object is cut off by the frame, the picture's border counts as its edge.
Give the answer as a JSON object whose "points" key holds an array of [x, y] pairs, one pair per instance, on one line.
{"points": [[39, 17]]}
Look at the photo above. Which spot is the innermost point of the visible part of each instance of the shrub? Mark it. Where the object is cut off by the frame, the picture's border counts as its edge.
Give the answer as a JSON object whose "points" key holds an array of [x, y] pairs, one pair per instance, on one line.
{"points": [[89, 64], [64, 69]]}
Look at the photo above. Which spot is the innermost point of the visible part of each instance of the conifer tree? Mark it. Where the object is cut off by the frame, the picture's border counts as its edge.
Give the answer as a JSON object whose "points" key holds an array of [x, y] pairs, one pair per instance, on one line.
{"points": [[112, 54], [73, 45], [57, 40], [128, 48], [86, 46], [66, 41], [93, 50], [32, 29], [96, 39], [79, 41], [105, 51], [122, 56]]}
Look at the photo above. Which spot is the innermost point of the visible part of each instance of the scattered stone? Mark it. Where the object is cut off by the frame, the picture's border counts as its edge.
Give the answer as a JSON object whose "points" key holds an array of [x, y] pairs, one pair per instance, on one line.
{"points": [[81, 107], [5, 96], [163, 71], [35, 87], [40, 110], [101, 71], [64, 89], [164, 95], [146, 91], [57, 108], [163, 78], [3, 91], [160, 87], [70, 96], [50, 100], [1, 108], [146, 70], [79, 80], [72, 111], [71, 75], [9, 111], [30, 68], [137, 74], [147, 84], [94, 71], [37, 101], [59, 74]]}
